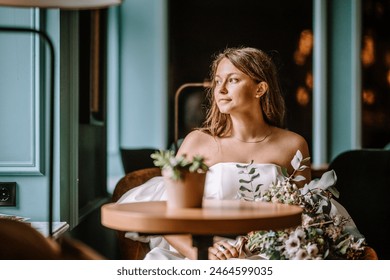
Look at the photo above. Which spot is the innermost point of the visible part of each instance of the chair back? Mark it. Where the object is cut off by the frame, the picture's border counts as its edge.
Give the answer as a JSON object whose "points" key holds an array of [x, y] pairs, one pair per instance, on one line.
{"points": [[130, 249], [136, 159], [20, 241], [363, 180]]}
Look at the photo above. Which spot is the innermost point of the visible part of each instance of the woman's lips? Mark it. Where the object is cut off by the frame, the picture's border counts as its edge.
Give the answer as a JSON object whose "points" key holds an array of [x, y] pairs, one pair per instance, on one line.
{"points": [[224, 100]]}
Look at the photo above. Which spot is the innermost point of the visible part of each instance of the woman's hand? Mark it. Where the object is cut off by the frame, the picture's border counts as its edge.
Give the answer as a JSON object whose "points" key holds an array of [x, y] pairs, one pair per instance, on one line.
{"points": [[222, 250]]}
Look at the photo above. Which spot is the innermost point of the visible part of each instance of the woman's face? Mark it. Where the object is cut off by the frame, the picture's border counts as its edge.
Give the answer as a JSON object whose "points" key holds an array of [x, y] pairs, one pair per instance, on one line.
{"points": [[234, 91]]}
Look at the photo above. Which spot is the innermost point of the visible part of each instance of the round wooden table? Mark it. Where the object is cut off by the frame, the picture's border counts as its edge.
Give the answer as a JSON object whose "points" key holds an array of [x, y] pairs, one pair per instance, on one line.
{"points": [[216, 217]]}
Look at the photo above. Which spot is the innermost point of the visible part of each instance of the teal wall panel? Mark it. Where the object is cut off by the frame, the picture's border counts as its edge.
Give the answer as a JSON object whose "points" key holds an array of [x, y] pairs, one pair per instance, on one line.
{"points": [[20, 114], [344, 76], [24, 147], [143, 85]]}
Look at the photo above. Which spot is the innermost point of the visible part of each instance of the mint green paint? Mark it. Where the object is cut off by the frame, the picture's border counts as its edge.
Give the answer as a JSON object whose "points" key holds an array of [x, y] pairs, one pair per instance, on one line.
{"points": [[20, 113], [114, 164], [143, 73], [32, 190], [22, 94], [343, 77]]}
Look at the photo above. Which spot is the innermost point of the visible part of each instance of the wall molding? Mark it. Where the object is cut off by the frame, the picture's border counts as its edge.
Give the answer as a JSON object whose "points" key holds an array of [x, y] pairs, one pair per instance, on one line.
{"points": [[25, 156]]}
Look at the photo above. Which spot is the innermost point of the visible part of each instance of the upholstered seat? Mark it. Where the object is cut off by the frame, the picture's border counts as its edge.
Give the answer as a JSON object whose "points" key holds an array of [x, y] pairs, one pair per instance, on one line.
{"points": [[129, 249], [363, 180], [20, 241]]}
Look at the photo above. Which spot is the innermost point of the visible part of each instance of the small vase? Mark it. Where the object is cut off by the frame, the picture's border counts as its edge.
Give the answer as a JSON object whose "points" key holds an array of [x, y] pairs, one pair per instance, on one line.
{"points": [[187, 192]]}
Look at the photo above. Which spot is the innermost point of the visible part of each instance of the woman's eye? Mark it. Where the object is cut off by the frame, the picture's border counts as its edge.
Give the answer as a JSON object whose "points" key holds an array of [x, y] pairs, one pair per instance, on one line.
{"points": [[217, 82], [233, 80]]}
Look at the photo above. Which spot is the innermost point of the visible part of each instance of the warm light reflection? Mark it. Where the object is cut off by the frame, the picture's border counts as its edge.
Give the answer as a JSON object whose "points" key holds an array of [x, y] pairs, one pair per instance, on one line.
{"points": [[309, 80], [368, 96], [305, 46], [302, 96], [375, 119], [388, 77], [387, 59], [368, 55]]}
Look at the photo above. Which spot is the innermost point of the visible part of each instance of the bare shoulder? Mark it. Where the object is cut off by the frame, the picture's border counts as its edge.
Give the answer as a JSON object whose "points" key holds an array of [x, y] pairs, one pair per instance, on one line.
{"points": [[287, 143], [291, 137], [196, 137], [290, 142], [198, 143]]}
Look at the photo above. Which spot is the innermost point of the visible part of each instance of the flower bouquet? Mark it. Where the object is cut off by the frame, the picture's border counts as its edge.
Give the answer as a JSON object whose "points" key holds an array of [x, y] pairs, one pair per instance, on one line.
{"points": [[324, 233], [184, 178]]}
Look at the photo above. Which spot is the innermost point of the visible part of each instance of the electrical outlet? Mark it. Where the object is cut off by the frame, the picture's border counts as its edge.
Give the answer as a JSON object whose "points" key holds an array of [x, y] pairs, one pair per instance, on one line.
{"points": [[7, 193]]}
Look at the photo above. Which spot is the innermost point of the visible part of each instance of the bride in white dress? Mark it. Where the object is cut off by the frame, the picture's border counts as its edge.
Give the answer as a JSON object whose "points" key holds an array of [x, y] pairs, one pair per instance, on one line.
{"points": [[226, 174], [243, 125]]}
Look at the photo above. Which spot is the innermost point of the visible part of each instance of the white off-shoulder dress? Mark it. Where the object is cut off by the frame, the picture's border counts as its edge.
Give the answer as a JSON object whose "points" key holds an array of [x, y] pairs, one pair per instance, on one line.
{"points": [[223, 181]]}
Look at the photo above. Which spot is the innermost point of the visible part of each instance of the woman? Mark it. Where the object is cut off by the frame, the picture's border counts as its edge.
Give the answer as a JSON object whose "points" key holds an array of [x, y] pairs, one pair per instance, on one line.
{"points": [[244, 125]]}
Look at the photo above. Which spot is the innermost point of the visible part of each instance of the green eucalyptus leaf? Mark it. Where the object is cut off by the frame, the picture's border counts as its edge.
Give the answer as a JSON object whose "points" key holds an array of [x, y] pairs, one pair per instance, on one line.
{"points": [[296, 161], [244, 181], [258, 187], [242, 188], [299, 178]]}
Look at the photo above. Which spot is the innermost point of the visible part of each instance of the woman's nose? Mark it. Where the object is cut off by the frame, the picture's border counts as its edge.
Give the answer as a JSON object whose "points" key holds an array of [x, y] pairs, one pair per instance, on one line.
{"points": [[222, 88]]}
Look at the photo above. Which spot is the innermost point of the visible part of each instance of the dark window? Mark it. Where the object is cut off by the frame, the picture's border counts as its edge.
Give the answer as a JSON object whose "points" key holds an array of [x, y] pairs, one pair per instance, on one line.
{"points": [[92, 128], [198, 29], [375, 58]]}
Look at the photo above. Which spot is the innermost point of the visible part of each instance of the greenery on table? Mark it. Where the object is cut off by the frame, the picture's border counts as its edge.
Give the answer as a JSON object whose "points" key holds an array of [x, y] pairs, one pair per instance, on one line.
{"points": [[174, 166]]}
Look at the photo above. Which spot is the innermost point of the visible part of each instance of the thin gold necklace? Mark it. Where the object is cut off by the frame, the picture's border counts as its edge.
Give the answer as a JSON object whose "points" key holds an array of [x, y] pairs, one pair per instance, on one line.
{"points": [[255, 141]]}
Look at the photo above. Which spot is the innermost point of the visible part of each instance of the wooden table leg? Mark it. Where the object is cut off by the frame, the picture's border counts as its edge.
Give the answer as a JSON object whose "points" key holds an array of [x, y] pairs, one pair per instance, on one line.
{"points": [[202, 242]]}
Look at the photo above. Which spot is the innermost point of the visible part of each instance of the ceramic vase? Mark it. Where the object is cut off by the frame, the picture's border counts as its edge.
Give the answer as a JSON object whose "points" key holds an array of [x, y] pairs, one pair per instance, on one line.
{"points": [[187, 192]]}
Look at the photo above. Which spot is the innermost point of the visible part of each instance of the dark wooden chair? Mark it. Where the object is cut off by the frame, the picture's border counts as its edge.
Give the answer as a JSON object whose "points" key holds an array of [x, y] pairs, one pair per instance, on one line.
{"points": [[129, 249], [20, 241], [363, 180]]}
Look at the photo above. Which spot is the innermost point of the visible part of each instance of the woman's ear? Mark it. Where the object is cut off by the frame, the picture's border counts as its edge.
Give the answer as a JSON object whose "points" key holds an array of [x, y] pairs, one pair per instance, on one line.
{"points": [[262, 88]]}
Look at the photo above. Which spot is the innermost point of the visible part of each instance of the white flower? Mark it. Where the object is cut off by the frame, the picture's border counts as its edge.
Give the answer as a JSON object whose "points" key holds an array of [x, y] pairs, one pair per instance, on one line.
{"points": [[306, 220], [173, 161], [292, 244], [300, 233], [322, 234], [312, 249], [301, 255]]}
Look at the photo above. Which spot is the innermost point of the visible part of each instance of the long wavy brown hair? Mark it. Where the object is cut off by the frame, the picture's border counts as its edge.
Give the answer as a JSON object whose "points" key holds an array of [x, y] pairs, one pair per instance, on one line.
{"points": [[258, 66]]}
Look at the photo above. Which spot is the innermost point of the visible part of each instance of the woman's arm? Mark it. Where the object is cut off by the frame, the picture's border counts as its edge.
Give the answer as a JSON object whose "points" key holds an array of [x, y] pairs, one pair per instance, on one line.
{"points": [[183, 244]]}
